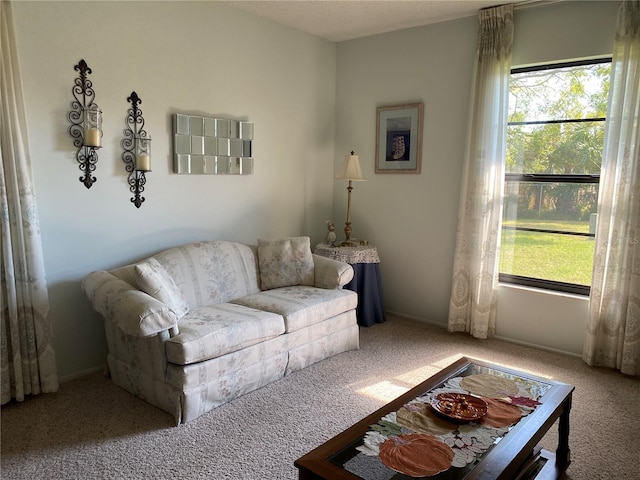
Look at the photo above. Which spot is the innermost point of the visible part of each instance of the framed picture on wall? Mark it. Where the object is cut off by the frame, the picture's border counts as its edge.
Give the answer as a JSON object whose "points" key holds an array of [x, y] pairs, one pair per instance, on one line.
{"points": [[399, 138]]}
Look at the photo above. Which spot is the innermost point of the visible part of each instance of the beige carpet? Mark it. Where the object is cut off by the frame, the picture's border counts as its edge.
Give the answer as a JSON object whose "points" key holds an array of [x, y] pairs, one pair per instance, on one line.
{"points": [[92, 429]]}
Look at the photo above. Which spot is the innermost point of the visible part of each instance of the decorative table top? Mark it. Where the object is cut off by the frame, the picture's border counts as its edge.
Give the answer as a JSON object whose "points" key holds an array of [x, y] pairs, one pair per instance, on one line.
{"points": [[420, 433], [398, 435], [356, 254]]}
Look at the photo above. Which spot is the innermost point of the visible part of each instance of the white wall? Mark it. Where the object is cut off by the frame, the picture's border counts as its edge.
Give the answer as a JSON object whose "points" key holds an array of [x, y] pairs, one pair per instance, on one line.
{"points": [[412, 218], [201, 57], [190, 57]]}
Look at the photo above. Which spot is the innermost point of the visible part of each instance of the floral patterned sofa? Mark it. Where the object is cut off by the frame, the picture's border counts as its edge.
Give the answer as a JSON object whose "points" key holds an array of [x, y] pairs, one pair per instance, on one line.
{"points": [[200, 324]]}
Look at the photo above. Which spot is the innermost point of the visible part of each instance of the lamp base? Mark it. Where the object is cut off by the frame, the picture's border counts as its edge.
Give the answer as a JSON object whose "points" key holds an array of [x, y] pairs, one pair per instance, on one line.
{"points": [[347, 228]]}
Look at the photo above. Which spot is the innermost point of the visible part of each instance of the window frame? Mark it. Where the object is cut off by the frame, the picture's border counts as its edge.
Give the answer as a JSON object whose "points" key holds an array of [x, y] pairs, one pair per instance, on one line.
{"points": [[545, 178]]}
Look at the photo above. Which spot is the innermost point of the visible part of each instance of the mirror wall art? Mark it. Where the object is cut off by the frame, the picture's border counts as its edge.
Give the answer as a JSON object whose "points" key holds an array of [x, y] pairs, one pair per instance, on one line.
{"points": [[209, 145]]}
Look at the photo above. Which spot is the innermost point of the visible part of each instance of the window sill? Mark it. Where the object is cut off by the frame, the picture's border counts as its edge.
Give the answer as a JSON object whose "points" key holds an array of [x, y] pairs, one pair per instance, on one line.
{"points": [[544, 291]]}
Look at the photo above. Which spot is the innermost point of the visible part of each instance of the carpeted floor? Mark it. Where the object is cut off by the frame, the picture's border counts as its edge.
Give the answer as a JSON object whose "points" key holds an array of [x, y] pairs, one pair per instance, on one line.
{"points": [[92, 429]]}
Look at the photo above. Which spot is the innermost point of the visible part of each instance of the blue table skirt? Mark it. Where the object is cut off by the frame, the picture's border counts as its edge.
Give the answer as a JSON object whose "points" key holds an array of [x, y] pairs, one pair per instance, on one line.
{"points": [[367, 283]]}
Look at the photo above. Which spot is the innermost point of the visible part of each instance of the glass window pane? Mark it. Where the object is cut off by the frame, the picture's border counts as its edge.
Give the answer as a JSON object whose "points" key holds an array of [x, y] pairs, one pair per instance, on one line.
{"points": [[556, 148], [564, 207], [570, 92], [548, 256], [557, 207]]}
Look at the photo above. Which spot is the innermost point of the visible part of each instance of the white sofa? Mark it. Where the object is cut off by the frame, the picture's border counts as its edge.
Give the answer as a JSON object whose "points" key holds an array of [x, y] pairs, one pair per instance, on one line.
{"points": [[200, 324]]}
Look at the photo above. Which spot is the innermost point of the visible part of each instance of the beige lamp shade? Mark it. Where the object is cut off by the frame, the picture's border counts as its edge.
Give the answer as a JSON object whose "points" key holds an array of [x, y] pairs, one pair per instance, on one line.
{"points": [[351, 169]]}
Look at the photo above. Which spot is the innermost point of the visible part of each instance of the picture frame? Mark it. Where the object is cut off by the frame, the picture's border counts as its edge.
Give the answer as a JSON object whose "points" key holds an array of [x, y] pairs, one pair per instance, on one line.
{"points": [[399, 138]]}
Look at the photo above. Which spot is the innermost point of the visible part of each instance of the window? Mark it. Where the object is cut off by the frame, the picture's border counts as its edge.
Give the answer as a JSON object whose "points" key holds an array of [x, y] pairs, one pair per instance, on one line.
{"points": [[555, 137]]}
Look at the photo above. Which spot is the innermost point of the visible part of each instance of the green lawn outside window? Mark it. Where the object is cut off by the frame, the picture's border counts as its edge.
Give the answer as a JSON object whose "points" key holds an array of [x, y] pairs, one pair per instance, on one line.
{"points": [[549, 256]]}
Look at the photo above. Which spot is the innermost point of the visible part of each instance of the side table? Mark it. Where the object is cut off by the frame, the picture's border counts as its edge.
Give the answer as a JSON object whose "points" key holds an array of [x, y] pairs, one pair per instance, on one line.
{"points": [[366, 280]]}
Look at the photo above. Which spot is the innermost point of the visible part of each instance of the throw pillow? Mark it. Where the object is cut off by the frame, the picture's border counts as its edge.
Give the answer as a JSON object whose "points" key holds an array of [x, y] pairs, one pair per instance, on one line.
{"points": [[154, 280], [285, 262]]}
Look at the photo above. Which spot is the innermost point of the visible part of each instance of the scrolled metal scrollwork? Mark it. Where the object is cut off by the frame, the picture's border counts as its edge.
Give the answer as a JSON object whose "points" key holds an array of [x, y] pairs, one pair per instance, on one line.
{"points": [[87, 157], [83, 102], [137, 180], [136, 146]]}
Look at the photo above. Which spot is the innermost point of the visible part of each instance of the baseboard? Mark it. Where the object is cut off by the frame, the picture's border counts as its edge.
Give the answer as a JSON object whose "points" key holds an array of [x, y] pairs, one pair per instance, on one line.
{"points": [[537, 347], [417, 319], [83, 373], [497, 337]]}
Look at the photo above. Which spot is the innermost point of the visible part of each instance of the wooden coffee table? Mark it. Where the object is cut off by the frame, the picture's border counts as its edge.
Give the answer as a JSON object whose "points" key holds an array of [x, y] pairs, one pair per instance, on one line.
{"points": [[515, 456]]}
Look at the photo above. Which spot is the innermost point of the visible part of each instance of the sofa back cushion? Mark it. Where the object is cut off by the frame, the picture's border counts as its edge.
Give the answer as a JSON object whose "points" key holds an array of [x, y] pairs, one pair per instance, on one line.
{"points": [[285, 262], [154, 280], [211, 272]]}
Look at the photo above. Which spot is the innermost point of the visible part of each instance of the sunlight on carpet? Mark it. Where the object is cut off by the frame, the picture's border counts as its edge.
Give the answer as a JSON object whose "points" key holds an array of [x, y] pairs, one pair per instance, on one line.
{"points": [[384, 391], [417, 375], [389, 390]]}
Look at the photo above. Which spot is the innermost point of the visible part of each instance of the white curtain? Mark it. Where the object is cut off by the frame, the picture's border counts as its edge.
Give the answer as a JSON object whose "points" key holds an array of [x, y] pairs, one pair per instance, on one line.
{"points": [[472, 307], [613, 331], [28, 357]]}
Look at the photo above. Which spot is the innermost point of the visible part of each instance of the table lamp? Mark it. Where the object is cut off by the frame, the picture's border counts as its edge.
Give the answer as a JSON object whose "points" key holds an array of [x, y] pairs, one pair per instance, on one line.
{"points": [[350, 171]]}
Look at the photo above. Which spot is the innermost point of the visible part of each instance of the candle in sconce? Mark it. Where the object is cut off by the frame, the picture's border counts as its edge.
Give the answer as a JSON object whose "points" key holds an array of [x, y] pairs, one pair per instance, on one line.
{"points": [[92, 137], [143, 163]]}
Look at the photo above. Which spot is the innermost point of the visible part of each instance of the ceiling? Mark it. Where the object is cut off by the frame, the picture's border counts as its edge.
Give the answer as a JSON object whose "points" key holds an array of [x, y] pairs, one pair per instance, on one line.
{"points": [[339, 20]]}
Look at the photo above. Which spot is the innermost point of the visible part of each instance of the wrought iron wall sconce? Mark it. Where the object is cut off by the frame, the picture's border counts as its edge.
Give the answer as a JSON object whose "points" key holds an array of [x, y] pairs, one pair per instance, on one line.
{"points": [[86, 124], [137, 150]]}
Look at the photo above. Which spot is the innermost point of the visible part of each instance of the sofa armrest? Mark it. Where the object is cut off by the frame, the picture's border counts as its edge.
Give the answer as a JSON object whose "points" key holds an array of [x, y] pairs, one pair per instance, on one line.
{"points": [[135, 312], [331, 274]]}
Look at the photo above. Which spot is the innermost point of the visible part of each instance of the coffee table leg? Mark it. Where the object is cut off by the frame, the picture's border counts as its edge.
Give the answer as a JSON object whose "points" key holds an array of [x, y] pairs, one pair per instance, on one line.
{"points": [[563, 453]]}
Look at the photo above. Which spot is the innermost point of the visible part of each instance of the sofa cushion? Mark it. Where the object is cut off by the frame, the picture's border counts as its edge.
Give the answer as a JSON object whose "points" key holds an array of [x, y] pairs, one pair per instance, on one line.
{"points": [[154, 280], [285, 262], [209, 332], [194, 374], [301, 306], [212, 272]]}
